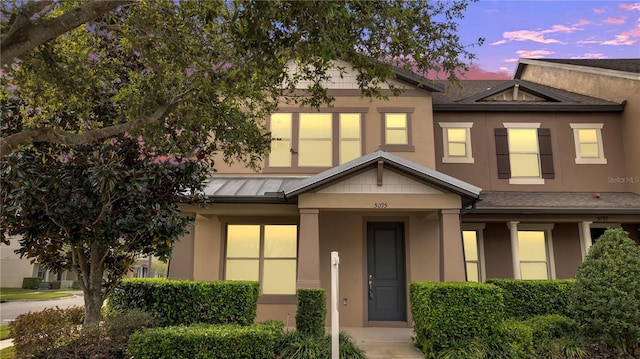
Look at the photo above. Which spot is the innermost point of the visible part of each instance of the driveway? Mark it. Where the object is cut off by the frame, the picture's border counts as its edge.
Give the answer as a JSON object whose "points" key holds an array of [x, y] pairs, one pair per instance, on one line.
{"points": [[10, 310]]}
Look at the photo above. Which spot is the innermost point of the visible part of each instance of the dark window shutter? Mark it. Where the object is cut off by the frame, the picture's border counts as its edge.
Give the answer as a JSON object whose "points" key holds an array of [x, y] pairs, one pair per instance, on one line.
{"points": [[546, 156], [502, 153]]}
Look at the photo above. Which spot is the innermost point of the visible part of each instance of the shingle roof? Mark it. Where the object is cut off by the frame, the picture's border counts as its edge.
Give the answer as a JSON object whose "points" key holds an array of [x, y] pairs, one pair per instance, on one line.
{"points": [[558, 202], [626, 65], [467, 96]]}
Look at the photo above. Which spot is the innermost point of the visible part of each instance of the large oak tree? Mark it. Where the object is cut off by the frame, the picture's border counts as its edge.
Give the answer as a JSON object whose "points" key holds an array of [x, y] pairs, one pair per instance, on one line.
{"points": [[203, 64]]}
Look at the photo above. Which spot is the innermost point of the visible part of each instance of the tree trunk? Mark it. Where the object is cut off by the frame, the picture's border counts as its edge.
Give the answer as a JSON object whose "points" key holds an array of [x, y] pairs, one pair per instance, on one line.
{"points": [[92, 307], [92, 269]]}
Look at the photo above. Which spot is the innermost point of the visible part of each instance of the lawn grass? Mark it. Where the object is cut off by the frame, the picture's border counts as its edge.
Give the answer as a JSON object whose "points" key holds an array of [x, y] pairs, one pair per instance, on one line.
{"points": [[9, 294], [7, 353], [4, 332]]}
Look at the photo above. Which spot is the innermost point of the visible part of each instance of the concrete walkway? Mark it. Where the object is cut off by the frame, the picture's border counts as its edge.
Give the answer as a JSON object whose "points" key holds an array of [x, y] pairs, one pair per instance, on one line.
{"points": [[6, 343], [385, 343]]}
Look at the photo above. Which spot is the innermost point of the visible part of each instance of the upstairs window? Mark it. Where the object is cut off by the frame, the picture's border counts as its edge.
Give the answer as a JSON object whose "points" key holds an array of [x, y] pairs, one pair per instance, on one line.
{"points": [[396, 129], [588, 143], [315, 141], [456, 142], [524, 153]]}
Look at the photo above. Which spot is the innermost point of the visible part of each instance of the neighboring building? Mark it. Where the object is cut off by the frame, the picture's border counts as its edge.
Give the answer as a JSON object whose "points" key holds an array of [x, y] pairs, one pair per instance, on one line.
{"points": [[14, 269], [511, 179]]}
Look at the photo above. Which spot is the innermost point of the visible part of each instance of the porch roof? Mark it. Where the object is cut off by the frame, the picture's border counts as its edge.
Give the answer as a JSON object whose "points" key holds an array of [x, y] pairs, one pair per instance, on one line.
{"points": [[398, 163], [283, 189], [558, 202]]}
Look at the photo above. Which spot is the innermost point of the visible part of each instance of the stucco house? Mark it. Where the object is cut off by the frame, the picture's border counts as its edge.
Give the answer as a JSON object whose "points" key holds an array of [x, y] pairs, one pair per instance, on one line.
{"points": [[510, 179]]}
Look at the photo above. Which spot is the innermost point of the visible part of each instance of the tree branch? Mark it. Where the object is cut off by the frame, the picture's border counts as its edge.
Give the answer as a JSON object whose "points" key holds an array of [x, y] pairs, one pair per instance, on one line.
{"points": [[52, 135], [24, 35]]}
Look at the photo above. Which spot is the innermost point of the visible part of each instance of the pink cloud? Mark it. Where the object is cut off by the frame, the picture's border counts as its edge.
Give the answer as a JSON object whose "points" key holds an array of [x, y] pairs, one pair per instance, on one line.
{"points": [[534, 54], [613, 20], [599, 11], [591, 55], [582, 22], [511, 60], [474, 73], [630, 37], [630, 7], [536, 35]]}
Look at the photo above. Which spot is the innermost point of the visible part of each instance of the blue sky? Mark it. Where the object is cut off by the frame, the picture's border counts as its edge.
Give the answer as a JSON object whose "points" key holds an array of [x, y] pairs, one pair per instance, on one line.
{"points": [[549, 29]]}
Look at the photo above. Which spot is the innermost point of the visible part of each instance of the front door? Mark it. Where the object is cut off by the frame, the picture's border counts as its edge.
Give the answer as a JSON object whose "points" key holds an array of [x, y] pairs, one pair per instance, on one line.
{"points": [[386, 288]]}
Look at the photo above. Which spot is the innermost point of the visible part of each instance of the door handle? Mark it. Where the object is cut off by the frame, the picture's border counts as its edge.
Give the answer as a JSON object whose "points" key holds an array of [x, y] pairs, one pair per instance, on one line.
{"points": [[370, 286]]}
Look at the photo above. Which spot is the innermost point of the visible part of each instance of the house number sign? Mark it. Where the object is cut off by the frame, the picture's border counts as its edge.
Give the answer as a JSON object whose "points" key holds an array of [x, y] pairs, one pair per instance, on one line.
{"points": [[380, 205]]}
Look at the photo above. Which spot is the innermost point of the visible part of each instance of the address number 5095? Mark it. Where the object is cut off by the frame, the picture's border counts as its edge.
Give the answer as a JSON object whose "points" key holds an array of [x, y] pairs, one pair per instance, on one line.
{"points": [[380, 205]]}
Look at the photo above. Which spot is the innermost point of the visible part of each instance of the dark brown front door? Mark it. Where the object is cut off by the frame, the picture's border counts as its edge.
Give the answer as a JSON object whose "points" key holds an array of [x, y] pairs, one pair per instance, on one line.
{"points": [[386, 287]]}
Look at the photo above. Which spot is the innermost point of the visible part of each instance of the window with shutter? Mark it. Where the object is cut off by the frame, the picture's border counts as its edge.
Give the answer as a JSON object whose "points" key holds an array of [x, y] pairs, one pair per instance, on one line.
{"points": [[523, 153]]}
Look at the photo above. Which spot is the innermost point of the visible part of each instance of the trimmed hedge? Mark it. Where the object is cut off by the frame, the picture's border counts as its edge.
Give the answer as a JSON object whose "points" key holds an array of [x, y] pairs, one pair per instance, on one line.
{"points": [[555, 336], [524, 299], [230, 341], [31, 283], [183, 302], [311, 311], [449, 312]]}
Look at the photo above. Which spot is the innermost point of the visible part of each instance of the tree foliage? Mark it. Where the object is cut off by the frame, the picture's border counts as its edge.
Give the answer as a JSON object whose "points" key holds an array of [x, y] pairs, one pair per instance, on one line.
{"points": [[606, 297], [92, 208], [206, 68]]}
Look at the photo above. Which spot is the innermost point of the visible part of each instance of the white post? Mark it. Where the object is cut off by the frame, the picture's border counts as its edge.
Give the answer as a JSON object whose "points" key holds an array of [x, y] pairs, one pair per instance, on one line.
{"points": [[515, 255], [335, 315]]}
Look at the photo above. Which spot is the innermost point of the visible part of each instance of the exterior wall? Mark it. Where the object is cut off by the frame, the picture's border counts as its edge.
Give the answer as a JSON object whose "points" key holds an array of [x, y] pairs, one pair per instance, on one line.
{"points": [[12, 267], [569, 176], [497, 251], [606, 84], [566, 247], [421, 128]]}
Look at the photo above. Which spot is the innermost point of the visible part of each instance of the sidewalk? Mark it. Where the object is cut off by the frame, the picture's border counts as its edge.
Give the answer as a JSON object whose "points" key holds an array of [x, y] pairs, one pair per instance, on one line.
{"points": [[6, 343], [385, 343]]}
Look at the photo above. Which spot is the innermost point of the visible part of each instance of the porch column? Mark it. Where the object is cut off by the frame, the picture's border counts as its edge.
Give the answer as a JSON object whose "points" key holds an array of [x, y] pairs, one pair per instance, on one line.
{"points": [[451, 254], [515, 255], [309, 250], [585, 238]]}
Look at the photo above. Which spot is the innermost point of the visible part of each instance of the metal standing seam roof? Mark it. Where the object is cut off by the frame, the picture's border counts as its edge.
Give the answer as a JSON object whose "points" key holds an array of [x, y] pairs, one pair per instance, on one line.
{"points": [[558, 202], [248, 188]]}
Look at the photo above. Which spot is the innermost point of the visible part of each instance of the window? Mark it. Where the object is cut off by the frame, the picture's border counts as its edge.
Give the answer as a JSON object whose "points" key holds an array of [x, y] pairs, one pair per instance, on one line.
{"points": [[473, 243], [396, 129], [315, 140], [535, 253], [588, 142], [267, 253], [524, 153], [314, 145], [456, 141], [350, 137]]}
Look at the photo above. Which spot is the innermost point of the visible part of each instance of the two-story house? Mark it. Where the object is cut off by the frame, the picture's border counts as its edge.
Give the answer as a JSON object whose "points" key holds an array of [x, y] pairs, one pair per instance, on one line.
{"points": [[511, 179]]}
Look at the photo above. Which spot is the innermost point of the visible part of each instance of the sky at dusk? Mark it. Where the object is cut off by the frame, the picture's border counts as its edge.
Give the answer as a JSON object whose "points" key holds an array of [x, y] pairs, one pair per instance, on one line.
{"points": [[548, 29]]}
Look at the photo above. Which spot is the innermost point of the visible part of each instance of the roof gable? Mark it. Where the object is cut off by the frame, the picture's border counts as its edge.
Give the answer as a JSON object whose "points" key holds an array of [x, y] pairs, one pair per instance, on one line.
{"points": [[418, 172], [517, 96]]}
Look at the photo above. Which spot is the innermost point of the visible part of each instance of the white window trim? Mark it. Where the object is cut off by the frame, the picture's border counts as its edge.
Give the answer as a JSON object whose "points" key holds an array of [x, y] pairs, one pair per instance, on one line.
{"points": [[601, 160], [525, 125], [547, 228], [479, 228], [445, 141]]}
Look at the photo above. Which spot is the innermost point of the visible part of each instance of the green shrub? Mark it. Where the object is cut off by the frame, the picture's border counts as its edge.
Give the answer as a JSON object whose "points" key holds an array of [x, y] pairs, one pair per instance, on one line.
{"points": [[511, 340], [59, 334], [228, 341], [31, 283], [606, 298], [457, 312], [555, 336], [524, 299], [311, 311], [297, 345], [182, 302], [38, 333]]}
